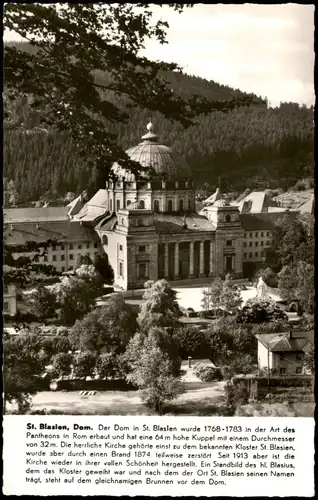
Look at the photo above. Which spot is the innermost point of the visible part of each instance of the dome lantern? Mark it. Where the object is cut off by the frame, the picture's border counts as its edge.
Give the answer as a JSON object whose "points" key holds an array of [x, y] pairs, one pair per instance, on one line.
{"points": [[150, 136]]}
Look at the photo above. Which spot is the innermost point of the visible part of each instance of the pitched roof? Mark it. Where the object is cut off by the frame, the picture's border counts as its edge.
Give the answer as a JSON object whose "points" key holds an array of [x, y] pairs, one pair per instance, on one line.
{"points": [[33, 214], [308, 206], [21, 233], [282, 342], [95, 207], [257, 202], [265, 220], [99, 199], [107, 222], [213, 198], [173, 223], [75, 206]]}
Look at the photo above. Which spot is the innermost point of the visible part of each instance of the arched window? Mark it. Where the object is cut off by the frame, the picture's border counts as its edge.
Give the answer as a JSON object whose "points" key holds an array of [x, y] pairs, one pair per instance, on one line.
{"points": [[156, 206], [118, 205], [170, 206], [189, 205], [228, 218], [105, 240], [110, 205], [122, 221], [142, 204], [128, 202], [181, 205]]}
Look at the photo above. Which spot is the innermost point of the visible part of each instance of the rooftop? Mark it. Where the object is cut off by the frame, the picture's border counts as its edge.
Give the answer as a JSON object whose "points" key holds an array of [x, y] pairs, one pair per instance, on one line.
{"points": [[21, 233], [41, 214], [165, 223], [282, 342], [256, 202]]}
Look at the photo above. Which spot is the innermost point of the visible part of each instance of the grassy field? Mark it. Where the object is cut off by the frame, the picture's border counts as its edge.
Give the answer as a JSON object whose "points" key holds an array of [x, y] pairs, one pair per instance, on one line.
{"points": [[199, 399]]}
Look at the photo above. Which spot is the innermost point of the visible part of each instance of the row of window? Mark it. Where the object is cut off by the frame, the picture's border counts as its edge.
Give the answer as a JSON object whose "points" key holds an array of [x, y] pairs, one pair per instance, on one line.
{"points": [[62, 257], [253, 254], [255, 235], [299, 370], [156, 205], [71, 246], [255, 243]]}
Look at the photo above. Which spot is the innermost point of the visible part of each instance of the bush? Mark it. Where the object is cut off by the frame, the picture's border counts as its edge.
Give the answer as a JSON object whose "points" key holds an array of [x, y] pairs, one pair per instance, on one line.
{"points": [[207, 373], [84, 364], [62, 364], [191, 342], [236, 395], [258, 310], [110, 366], [94, 385]]}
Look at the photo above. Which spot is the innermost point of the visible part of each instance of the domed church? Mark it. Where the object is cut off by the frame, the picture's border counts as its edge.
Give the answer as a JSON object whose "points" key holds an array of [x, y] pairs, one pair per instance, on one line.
{"points": [[149, 228]]}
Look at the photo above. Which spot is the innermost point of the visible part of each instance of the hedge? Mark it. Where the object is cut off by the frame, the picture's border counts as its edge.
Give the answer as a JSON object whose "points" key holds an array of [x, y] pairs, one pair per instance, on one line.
{"points": [[207, 373], [94, 385]]}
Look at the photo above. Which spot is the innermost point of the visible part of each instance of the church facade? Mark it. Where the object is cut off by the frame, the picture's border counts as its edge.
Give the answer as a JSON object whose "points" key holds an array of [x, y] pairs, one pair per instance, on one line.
{"points": [[152, 231]]}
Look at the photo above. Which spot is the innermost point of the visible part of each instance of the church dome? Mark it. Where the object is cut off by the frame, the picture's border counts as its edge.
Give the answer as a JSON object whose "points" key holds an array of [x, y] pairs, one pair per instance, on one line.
{"points": [[164, 162]]}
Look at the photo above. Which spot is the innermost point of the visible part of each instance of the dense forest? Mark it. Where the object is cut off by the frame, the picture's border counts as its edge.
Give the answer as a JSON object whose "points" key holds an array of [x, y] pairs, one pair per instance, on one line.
{"points": [[256, 147]]}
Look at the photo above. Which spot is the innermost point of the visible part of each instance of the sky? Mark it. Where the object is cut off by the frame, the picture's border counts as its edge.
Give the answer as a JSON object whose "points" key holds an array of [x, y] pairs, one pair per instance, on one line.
{"points": [[264, 49]]}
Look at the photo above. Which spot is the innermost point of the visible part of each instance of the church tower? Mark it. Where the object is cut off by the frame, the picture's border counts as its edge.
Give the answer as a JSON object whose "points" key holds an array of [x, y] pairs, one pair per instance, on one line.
{"points": [[229, 237]]}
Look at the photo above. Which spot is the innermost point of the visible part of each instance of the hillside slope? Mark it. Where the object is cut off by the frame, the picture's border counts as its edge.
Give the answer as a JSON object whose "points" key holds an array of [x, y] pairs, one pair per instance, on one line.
{"points": [[251, 147]]}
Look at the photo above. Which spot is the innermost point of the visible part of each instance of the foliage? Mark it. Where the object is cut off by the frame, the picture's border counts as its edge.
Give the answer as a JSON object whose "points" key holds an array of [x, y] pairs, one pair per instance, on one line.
{"points": [[159, 307], [275, 326], [153, 374], [236, 395], [220, 344], [207, 373], [84, 364], [25, 269], [192, 342], [103, 267], [273, 146], [62, 362], [168, 344], [22, 364], [258, 310], [244, 341], [294, 240], [297, 281], [76, 295], [43, 303], [222, 295], [61, 73], [83, 260], [110, 365], [309, 359], [240, 364], [105, 329]]}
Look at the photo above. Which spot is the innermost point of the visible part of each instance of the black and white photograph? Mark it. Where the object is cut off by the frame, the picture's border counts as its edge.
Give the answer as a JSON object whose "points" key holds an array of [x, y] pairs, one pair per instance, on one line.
{"points": [[158, 205]]}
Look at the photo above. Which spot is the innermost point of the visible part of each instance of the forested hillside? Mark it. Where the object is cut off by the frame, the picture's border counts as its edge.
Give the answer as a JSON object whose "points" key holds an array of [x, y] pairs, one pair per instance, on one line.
{"points": [[253, 147]]}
